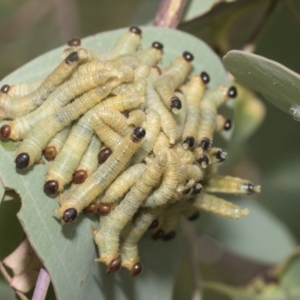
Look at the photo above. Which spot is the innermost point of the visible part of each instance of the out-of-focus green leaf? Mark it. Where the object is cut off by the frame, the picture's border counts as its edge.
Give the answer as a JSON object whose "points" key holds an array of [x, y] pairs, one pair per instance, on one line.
{"points": [[249, 112], [279, 283], [2, 191], [68, 251], [259, 236], [6, 291], [277, 83]]}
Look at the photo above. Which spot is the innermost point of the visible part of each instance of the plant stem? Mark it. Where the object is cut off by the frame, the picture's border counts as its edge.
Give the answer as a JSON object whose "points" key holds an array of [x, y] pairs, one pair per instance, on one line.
{"points": [[169, 13], [42, 285]]}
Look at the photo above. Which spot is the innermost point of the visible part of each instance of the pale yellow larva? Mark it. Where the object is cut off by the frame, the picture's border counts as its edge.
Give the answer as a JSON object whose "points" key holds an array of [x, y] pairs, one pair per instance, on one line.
{"points": [[193, 92], [162, 194], [219, 206], [185, 156], [60, 97], [212, 99], [162, 143], [137, 87], [129, 250], [190, 171], [30, 150], [171, 79], [20, 106], [153, 101], [123, 183], [216, 155], [152, 126], [55, 145], [73, 203], [89, 161], [107, 237], [180, 116], [222, 123], [229, 185], [136, 117], [23, 89]]}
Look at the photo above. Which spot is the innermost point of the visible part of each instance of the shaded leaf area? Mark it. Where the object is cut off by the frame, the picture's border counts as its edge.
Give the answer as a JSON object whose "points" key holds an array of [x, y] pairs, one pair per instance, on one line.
{"points": [[277, 83], [278, 283], [231, 25], [68, 252], [259, 236], [6, 292]]}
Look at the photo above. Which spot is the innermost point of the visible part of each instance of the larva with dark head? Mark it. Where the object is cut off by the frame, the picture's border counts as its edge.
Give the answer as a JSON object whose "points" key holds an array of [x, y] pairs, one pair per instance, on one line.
{"points": [[180, 117], [212, 99], [74, 202], [219, 206], [89, 161], [162, 143], [30, 149], [171, 79], [153, 101], [152, 126], [129, 251], [107, 237], [222, 123], [193, 91], [15, 107], [60, 97], [21, 89], [55, 145], [229, 185]]}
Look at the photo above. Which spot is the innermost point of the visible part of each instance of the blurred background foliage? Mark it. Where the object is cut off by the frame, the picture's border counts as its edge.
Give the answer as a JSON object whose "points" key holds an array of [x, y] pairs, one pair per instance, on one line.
{"points": [[226, 251]]}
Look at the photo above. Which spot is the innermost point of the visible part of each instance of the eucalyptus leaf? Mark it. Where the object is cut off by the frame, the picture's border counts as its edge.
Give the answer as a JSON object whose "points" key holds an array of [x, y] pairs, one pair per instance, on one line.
{"points": [[258, 236], [277, 83], [6, 292], [68, 251], [2, 191]]}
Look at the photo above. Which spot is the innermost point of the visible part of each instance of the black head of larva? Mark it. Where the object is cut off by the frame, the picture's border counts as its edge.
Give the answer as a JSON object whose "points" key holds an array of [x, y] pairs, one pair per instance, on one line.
{"points": [[104, 154], [197, 189], [157, 45], [135, 30], [158, 235], [221, 155], [175, 103], [72, 57], [194, 216], [51, 187], [205, 77], [249, 188], [232, 92], [138, 134], [153, 225], [5, 131], [188, 56], [69, 215], [190, 141], [205, 143], [203, 161], [114, 266], [227, 125], [169, 236], [5, 89], [136, 269], [22, 160], [75, 42]]}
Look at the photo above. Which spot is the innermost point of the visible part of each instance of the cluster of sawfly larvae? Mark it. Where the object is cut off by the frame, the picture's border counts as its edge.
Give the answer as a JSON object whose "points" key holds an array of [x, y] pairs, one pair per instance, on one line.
{"points": [[134, 141]]}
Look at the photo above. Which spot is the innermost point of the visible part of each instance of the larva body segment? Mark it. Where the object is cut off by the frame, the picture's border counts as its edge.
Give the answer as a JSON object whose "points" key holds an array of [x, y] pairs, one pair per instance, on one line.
{"points": [[38, 138], [168, 125], [107, 237], [136, 117], [123, 183], [16, 107], [23, 89], [162, 143], [85, 193], [219, 206], [193, 91], [229, 185], [129, 250], [55, 145], [89, 161], [190, 171], [180, 116], [216, 155], [152, 55], [152, 126], [170, 180], [121, 102], [171, 79], [107, 135], [62, 168], [60, 97]]}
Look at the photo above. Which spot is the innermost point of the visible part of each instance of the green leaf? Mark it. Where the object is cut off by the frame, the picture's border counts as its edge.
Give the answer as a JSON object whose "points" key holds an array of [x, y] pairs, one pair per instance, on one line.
{"points": [[258, 236], [6, 292], [2, 191], [277, 83], [68, 251]]}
